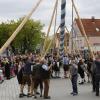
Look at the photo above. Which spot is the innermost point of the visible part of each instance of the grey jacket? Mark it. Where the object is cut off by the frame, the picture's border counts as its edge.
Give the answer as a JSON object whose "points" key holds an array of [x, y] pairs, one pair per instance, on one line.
{"points": [[73, 69]]}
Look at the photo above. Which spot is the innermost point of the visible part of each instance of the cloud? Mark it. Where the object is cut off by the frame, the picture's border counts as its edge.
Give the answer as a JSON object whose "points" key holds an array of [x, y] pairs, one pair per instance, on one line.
{"points": [[14, 9], [88, 8]]}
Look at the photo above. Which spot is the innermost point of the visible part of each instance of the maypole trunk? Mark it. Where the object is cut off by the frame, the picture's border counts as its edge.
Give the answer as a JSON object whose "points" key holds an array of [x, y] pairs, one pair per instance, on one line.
{"points": [[62, 26]]}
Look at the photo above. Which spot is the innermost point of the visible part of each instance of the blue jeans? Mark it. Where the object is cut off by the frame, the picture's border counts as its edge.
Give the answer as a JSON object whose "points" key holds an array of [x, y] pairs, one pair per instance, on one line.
{"points": [[74, 83]]}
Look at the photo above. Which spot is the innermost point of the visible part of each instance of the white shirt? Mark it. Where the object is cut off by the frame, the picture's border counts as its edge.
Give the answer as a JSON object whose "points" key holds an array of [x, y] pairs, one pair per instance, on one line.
{"points": [[19, 67], [58, 64], [45, 67], [32, 67]]}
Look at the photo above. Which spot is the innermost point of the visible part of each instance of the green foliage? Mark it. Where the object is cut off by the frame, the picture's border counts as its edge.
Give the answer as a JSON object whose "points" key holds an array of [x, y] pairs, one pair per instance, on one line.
{"points": [[27, 39]]}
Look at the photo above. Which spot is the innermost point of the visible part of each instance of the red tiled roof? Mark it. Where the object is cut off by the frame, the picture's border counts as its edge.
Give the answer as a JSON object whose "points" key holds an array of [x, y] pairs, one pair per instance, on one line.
{"points": [[91, 26]]}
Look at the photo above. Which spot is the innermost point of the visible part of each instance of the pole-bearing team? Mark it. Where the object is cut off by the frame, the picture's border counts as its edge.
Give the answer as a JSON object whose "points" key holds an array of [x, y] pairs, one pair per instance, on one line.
{"points": [[35, 72]]}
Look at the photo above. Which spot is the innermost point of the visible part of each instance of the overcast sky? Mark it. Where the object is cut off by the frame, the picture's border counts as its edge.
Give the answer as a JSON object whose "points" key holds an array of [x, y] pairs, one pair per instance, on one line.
{"points": [[14, 9]]}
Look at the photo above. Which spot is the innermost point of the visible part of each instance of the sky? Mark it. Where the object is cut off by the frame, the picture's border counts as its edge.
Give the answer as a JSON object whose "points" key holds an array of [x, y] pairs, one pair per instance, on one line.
{"points": [[14, 9]]}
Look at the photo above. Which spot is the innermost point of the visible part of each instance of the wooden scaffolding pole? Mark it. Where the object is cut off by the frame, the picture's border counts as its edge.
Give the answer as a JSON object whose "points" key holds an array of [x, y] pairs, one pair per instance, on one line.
{"points": [[12, 37], [55, 36], [48, 31], [74, 45], [83, 30], [55, 24], [49, 45]]}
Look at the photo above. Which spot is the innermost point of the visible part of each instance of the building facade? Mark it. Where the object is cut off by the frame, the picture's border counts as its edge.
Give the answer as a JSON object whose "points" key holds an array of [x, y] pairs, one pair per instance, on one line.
{"points": [[92, 29]]}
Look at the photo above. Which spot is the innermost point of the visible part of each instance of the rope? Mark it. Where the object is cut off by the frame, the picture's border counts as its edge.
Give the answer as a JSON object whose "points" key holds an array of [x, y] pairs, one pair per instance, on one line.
{"points": [[83, 30], [62, 26], [49, 27], [3, 48]]}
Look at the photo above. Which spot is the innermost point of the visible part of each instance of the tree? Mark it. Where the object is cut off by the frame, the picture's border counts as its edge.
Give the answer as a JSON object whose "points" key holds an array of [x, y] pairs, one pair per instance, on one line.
{"points": [[27, 39], [3, 33]]}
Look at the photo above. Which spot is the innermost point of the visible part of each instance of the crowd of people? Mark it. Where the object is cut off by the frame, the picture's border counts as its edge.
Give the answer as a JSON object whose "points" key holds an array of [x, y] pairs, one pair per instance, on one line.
{"points": [[7, 65], [34, 71]]}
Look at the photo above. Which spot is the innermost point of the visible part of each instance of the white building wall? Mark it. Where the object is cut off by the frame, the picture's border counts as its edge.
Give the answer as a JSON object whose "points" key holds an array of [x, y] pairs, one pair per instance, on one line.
{"points": [[80, 41], [77, 38]]}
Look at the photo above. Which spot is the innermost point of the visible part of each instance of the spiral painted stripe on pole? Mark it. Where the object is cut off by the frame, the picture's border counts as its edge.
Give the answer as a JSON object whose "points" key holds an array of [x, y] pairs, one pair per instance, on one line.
{"points": [[62, 26]]}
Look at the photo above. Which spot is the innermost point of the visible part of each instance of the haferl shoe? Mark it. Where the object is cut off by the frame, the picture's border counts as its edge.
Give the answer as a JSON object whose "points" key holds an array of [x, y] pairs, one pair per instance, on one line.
{"points": [[74, 94], [97, 94], [40, 95], [21, 95], [24, 94], [29, 95], [48, 97], [81, 83], [37, 93], [71, 93], [35, 97]]}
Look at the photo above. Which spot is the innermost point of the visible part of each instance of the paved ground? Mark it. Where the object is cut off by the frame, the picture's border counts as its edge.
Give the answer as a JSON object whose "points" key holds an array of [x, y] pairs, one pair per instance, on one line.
{"points": [[59, 90]]}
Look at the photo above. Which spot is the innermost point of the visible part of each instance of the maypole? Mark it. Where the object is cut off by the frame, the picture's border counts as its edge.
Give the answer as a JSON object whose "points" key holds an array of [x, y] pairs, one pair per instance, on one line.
{"points": [[62, 26]]}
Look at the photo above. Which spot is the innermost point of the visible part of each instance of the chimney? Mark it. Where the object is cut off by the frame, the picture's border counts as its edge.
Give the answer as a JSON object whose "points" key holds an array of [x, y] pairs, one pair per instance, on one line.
{"points": [[93, 19]]}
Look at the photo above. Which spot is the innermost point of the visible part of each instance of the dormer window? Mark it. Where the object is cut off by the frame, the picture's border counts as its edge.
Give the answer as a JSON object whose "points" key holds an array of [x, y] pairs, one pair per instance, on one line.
{"points": [[97, 29]]}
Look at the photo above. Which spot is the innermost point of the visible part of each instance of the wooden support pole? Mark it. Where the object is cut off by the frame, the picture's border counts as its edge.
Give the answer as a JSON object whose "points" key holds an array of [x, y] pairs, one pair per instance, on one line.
{"points": [[12, 37], [83, 30], [49, 45], [65, 43], [48, 31], [55, 24], [55, 36], [73, 42]]}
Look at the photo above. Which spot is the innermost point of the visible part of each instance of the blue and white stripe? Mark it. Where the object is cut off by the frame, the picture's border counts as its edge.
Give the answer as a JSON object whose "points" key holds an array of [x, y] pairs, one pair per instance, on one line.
{"points": [[62, 27]]}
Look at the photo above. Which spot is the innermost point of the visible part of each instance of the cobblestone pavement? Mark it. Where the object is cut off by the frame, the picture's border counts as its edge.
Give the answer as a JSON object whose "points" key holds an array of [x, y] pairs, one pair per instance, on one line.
{"points": [[59, 90]]}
